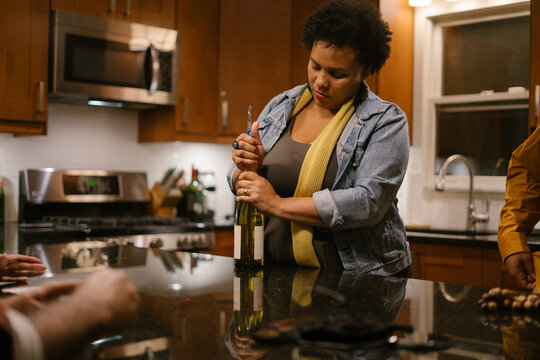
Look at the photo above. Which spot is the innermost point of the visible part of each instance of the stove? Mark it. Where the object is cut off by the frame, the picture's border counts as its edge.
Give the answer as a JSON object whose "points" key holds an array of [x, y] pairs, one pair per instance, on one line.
{"points": [[99, 207]]}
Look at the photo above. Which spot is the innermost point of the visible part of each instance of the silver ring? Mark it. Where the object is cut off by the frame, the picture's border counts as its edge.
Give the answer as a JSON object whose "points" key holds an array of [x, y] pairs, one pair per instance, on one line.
{"points": [[245, 191], [235, 144]]}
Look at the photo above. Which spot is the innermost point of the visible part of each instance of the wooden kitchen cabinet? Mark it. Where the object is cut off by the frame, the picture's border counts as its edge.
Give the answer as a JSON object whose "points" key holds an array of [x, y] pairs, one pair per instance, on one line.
{"points": [[254, 60], [23, 66], [534, 72], [156, 12], [459, 264], [232, 54], [194, 116]]}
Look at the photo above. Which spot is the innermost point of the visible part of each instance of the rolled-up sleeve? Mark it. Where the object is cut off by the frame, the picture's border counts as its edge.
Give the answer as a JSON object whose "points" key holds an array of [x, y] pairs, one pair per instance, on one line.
{"points": [[521, 210], [370, 183]]}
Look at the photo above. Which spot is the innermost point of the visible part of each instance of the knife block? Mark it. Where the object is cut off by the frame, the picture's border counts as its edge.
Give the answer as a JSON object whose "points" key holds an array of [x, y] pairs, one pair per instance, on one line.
{"points": [[164, 204]]}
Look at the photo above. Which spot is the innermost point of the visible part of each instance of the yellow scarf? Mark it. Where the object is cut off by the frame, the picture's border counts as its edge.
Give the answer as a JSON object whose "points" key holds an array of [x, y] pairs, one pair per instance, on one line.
{"points": [[312, 175]]}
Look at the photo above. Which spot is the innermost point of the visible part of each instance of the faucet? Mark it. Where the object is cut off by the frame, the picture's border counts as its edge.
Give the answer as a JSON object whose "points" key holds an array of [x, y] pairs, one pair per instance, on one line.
{"points": [[472, 216]]}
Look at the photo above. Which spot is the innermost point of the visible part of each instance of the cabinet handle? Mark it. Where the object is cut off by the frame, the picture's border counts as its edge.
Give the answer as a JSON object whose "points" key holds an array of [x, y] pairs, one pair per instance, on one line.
{"points": [[112, 6], [128, 8], [41, 96], [185, 121], [224, 114]]}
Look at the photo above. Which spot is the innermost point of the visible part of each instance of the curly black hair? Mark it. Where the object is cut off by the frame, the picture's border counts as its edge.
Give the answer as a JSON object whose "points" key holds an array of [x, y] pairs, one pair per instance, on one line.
{"points": [[357, 24]]}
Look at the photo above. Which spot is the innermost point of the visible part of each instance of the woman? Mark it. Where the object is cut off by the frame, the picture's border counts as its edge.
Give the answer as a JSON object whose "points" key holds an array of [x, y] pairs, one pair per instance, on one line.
{"points": [[331, 154]]}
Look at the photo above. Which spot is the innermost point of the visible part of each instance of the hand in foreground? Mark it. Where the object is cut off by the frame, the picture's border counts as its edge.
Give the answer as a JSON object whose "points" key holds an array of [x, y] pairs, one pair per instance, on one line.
{"points": [[37, 297], [259, 192], [19, 267], [109, 298], [520, 267], [248, 149]]}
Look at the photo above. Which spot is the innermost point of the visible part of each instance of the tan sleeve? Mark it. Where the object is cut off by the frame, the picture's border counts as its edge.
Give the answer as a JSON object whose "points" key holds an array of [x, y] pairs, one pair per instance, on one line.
{"points": [[521, 210]]}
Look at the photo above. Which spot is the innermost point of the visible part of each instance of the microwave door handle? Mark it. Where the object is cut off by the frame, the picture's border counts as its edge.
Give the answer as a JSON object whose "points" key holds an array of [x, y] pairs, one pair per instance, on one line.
{"points": [[154, 63]]}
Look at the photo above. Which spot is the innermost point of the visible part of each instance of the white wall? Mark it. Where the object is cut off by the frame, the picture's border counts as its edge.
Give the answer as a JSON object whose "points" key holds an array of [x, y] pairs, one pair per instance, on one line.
{"points": [[85, 137]]}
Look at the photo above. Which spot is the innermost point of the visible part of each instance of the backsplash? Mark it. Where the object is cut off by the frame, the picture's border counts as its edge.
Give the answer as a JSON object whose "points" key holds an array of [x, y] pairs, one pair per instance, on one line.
{"points": [[106, 138]]}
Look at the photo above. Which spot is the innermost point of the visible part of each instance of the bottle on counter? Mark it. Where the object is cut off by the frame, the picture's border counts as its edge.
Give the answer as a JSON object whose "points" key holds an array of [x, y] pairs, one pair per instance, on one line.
{"points": [[194, 198], [248, 229], [248, 300]]}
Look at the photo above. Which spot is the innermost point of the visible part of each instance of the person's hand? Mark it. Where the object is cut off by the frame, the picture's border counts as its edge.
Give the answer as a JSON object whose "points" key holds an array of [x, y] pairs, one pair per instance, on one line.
{"points": [[259, 192], [520, 267], [248, 150], [109, 298], [19, 267], [37, 297]]}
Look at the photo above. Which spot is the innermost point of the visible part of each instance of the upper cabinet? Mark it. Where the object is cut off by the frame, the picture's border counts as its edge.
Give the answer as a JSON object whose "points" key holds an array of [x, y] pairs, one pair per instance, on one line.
{"points": [[156, 12], [232, 54], [534, 74], [254, 60], [23, 66]]}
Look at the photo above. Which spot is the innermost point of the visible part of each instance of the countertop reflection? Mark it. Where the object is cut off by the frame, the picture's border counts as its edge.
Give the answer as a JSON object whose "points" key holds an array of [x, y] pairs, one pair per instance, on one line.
{"points": [[188, 301]]}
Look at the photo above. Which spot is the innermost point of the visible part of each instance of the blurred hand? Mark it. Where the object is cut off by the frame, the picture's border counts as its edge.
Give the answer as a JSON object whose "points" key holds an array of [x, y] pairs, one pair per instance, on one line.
{"points": [[110, 298], [19, 267], [520, 267], [250, 150], [37, 297]]}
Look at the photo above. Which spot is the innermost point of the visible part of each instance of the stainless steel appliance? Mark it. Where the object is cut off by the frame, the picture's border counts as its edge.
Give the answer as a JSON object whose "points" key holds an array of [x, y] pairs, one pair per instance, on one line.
{"points": [[111, 62], [101, 208]]}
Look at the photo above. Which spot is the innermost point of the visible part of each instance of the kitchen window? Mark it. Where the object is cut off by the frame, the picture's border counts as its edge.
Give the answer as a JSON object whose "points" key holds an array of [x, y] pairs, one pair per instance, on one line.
{"points": [[474, 79]]}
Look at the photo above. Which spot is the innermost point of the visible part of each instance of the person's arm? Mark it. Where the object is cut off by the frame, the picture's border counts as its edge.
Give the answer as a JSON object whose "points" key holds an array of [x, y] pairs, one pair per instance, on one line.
{"points": [[521, 211], [104, 301], [374, 186]]}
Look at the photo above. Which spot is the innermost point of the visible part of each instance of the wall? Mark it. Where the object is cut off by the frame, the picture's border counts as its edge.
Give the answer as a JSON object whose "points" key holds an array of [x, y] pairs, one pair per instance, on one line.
{"points": [[85, 137]]}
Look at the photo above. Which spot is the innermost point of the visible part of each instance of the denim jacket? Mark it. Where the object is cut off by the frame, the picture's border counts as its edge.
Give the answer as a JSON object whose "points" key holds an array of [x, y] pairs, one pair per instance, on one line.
{"points": [[361, 207]]}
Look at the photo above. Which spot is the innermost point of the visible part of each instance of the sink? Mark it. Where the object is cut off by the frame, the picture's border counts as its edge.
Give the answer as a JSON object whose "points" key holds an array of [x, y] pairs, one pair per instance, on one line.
{"points": [[452, 232]]}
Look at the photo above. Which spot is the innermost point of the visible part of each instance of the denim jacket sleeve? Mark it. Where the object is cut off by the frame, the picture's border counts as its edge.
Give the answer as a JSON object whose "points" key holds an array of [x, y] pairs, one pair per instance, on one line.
{"points": [[368, 185]]}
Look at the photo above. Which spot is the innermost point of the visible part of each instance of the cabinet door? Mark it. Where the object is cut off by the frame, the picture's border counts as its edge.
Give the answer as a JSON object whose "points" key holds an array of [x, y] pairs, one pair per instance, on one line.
{"points": [[101, 8], [193, 118], [23, 66], [156, 12], [534, 74], [254, 59]]}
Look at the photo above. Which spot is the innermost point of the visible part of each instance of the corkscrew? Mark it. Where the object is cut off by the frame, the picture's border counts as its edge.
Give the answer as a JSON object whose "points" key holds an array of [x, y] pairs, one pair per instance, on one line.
{"points": [[249, 121]]}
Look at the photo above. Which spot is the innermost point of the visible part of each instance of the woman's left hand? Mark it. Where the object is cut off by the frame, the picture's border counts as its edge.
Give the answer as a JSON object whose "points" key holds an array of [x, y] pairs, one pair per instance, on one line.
{"points": [[257, 190]]}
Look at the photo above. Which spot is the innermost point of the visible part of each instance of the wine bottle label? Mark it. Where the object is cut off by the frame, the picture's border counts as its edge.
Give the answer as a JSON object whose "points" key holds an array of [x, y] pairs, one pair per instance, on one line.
{"points": [[258, 251], [236, 297], [237, 241], [257, 294]]}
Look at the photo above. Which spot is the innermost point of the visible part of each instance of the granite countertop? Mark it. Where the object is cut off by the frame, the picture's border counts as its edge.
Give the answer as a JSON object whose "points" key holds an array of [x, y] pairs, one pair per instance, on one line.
{"points": [[188, 298]]}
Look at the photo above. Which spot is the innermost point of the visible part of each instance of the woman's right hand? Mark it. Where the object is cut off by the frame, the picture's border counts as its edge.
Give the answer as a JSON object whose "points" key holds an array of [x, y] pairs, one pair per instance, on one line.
{"points": [[248, 150]]}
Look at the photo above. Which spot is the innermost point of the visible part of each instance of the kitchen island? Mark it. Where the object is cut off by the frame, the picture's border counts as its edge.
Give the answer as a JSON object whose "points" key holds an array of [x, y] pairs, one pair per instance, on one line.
{"points": [[188, 301]]}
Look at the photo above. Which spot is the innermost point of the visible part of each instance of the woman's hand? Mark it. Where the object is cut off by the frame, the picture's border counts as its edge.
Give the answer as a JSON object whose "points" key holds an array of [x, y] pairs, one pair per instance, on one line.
{"points": [[257, 190], [248, 150], [19, 267]]}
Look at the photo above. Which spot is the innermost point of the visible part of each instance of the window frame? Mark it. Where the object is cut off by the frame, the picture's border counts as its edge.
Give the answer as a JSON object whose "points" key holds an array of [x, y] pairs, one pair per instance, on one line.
{"points": [[428, 28]]}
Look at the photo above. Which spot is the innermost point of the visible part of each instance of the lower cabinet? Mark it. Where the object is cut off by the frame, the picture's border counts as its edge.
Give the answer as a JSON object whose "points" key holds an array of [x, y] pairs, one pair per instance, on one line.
{"points": [[224, 243], [458, 264]]}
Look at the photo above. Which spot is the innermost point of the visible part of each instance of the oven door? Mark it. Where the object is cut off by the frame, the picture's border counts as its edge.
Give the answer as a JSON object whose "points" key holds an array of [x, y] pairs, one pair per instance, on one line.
{"points": [[94, 58]]}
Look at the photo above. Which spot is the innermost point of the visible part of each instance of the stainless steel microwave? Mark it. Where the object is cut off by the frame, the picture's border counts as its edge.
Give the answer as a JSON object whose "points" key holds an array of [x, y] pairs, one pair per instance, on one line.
{"points": [[113, 62]]}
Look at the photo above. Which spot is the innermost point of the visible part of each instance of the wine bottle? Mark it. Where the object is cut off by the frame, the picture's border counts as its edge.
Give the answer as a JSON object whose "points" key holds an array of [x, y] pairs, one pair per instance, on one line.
{"points": [[248, 299], [248, 229], [194, 198]]}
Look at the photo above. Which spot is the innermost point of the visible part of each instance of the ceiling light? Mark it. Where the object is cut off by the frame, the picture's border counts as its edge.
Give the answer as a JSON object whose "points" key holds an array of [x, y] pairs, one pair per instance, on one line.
{"points": [[419, 2]]}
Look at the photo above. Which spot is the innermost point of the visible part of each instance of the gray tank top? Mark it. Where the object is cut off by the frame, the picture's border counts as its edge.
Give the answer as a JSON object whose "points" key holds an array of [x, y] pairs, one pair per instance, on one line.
{"points": [[281, 167]]}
